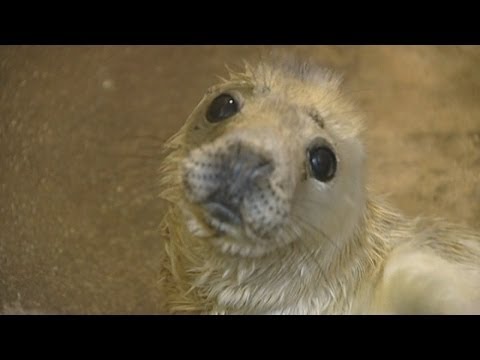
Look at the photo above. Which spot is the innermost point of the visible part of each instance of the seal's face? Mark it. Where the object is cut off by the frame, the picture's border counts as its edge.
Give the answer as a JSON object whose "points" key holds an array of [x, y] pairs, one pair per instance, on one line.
{"points": [[271, 162]]}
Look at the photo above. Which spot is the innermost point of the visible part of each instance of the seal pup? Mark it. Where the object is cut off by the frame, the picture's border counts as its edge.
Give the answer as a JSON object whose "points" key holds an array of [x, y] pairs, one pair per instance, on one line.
{"points": [[270, 211]]}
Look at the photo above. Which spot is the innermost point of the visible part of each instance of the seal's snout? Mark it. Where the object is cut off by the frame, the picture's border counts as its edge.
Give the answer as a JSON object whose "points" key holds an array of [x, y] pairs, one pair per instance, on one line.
{"points": [[243, 167], [221, 178], [242, 171]]}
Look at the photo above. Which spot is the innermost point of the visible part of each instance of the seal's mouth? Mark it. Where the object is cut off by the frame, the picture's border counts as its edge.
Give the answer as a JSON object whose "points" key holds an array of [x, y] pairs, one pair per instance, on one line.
{"points": [[235, 232], [220, 219]]}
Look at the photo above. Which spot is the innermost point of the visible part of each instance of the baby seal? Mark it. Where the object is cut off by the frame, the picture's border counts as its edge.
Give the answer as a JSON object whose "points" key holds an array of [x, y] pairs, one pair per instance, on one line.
{"points": [[270, 212]]}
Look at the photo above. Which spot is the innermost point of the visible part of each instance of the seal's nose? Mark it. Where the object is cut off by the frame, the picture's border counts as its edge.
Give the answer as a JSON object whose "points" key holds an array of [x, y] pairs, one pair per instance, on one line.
{"points": [[241, 170]]}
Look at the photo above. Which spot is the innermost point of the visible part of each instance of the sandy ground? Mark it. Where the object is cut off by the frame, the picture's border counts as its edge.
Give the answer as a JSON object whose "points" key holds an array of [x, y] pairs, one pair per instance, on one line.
{"points": [[81, 127]]}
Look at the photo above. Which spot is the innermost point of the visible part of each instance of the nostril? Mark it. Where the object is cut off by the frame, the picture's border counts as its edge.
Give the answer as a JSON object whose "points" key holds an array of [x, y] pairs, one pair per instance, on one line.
{"points": [[262, 171], [242, 161], [223, 212], [219, 180]]}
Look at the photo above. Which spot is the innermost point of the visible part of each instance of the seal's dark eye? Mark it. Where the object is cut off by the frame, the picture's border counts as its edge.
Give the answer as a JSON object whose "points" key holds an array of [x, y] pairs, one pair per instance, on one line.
{"points": [[323, 163], [221, 108]]}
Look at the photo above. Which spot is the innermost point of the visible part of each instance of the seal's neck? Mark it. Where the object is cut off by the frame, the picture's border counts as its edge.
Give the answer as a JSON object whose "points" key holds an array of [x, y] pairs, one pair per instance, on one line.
{"points": [[298, 278]]}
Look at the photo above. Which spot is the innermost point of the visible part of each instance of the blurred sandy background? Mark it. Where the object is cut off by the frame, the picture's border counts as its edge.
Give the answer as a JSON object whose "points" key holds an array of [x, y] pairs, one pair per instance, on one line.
{"points": [[81, 127]]}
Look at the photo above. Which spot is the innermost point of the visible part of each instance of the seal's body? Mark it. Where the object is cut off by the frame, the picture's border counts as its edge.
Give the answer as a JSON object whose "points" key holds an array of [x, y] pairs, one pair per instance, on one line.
{"points": [[270, 212]]}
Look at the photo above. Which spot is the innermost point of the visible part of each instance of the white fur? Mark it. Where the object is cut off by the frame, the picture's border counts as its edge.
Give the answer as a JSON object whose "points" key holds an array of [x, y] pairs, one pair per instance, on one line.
{"points": [[340, 250]]}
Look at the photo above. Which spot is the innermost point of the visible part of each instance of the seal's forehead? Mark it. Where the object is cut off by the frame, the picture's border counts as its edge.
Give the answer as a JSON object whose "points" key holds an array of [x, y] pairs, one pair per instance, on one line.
{"points": [[304, 71], [276, 71], [280, 74]]}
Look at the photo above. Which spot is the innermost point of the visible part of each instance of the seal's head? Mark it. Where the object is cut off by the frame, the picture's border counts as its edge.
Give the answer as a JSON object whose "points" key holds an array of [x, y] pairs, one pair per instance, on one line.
{"points": [[269, 157]]}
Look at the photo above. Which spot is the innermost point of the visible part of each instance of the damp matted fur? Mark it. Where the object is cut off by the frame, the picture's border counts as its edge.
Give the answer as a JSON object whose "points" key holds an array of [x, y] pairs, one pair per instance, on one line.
{"points": [[339, 249]]}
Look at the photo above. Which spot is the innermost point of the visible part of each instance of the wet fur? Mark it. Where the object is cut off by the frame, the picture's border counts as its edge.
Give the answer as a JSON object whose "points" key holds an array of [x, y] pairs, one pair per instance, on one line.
{"points": [[367, 258]]}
